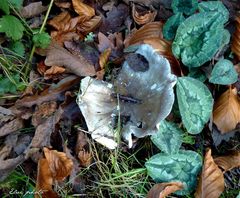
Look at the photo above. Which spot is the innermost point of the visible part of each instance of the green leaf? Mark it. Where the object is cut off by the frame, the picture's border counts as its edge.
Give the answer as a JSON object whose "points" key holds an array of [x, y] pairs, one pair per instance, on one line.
{"points": [[12, 27], [170, 27], [187, 7], [215, 6], [183, 167], [16, 3], [223, 73], [198, 38], [18, 47], [238, 195], [4, 6], [197, 74], [42, 40], [10, 86], [168, 138], [195, 103]]}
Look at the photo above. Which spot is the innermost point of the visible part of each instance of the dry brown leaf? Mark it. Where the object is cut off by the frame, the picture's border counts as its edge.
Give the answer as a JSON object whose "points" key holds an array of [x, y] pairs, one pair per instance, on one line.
{"points": [[83, 9], [59, 164], [89, 25], [143, 19], [104, 42], [54, 92], [82, 150], [57, 55], [11, 126], [53, 71], [61, 4], [211, 182], [228, 162], [103, 59], [33, 9], [59, 22], [164, 189], [235, 47], [44, 181], [226, 111]]}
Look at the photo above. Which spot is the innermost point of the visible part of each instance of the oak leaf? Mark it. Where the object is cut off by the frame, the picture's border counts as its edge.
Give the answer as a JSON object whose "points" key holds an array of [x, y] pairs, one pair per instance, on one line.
{"points": [[211, 183], [228, 162], [226, 111], [164, 189]]}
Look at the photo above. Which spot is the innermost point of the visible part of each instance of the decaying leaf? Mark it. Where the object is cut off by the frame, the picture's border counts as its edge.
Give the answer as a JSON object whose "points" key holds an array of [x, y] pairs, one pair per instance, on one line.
{"points": [[83, 9], [162, 190], [33, 9], [143, 19], [226, 112], [211, 183], [54, 70], [236, 39], [57, 55], [89, 25], [228, 162], [11, 126], [82, 150], [55, 166]]}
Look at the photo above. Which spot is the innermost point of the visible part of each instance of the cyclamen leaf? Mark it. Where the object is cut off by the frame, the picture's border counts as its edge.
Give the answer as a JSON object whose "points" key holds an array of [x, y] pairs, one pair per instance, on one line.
{"points": [[168, 138], [223, 73], [187, 7], [182, 167], [4, 6], [12, 27], [195, 103], [170, 27], [215, 6]]}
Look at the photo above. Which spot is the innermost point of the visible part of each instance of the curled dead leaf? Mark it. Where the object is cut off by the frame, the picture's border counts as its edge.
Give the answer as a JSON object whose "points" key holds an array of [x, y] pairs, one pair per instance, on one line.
{"points": [[59, 164], [164, 189], [104, 58], [54, 70], [89, 25], [143, 19], [57, 55], [83, 9], [211, 182], [235, 47], [228, 162], [226, 111], [59, 22]]}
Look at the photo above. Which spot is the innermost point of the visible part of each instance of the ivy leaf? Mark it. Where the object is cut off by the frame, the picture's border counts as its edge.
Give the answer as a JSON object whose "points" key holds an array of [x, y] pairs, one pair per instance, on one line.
{"points": [[180, 167], [187, 7], [170, 27], [12, 27], [195, 103], [198, 38], [42, 40], [223, 73], [215, 6], [16, 3], [4, 6], [168, 138]]}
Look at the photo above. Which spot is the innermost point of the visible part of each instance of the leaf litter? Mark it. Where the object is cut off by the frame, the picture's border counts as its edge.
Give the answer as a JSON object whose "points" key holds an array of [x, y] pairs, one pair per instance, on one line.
{"points": [[112, 60]]}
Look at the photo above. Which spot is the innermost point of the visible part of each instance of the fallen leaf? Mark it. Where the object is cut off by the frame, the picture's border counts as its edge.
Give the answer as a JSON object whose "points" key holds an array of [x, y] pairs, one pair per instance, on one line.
{"points": [[54, 92], [235, 47], [82, 150], [211, 182], [64, 4], [164, 189], [11, 126], [83, 9], [103, 59], [33, 9], [54, 70], [57, 55], [104, 42], [140, 19], [228, 162], [59, 22], [59, 164], [89, 25], [226, 111]]}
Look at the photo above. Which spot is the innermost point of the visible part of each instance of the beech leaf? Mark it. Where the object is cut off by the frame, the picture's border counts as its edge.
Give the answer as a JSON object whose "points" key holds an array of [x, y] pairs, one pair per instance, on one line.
{"points": [[226, 112], [211, 183], [83, 9], [164, 189], [223, 73], [57, 55], [168, 138], [183, 166], [228, 162], [195, 103]]}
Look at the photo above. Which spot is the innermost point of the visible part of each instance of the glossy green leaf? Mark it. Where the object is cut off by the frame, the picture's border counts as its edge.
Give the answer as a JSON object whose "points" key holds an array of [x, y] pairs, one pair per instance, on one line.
{"points": [[42, 40], [170, 27], [183, 167], [198, 38], [168, 138], [11, 26], [195, 103], [187, 7], [4, 6], [215, 6], [223, 73]]}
